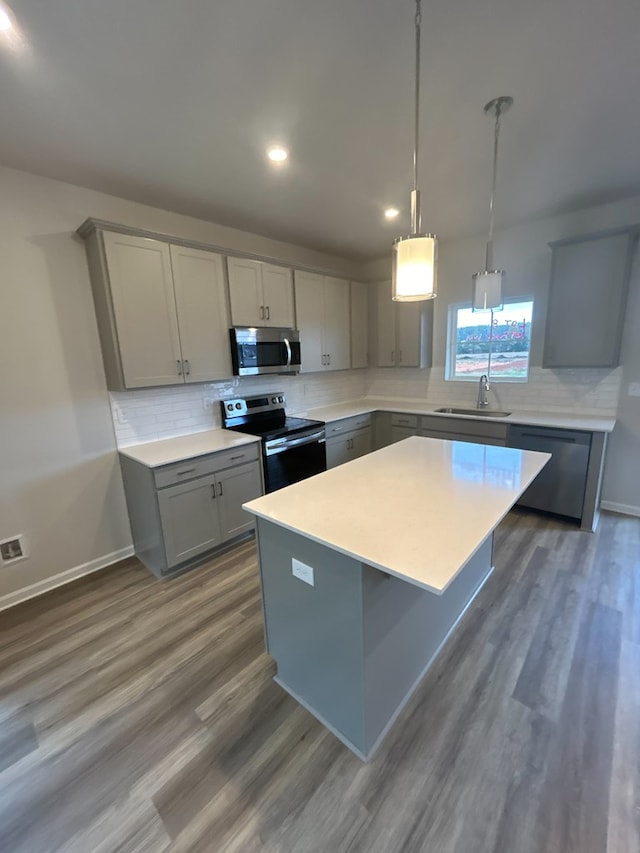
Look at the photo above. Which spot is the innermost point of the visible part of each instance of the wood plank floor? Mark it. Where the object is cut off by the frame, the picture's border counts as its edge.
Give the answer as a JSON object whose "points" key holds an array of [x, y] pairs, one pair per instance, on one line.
{"points": [[137, 715]]}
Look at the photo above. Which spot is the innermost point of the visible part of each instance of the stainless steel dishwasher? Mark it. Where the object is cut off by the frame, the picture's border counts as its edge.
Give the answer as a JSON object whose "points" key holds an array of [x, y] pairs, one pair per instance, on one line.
{"points": [[560, 486]]}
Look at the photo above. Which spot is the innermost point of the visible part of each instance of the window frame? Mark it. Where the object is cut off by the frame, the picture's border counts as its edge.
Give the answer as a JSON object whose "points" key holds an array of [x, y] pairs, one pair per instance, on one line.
{"points": [[452, 329]]}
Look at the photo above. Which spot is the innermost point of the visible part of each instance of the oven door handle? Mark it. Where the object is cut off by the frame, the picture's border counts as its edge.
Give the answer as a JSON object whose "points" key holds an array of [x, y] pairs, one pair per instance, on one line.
{"points": [[288, 346], [287, 444]]}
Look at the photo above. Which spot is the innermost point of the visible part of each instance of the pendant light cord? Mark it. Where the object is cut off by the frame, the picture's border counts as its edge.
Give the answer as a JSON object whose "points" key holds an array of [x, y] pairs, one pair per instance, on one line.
{"points": [[489, 263], [415, 196]]}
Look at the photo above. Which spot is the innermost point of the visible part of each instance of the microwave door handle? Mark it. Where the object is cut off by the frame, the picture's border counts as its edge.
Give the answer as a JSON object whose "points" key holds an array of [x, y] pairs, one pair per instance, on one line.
{"points": [[288, 346]]}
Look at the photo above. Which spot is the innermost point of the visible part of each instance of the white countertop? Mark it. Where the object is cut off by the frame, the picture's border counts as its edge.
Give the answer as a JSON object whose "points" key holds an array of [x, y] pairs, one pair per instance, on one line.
{"points": [[167, 450], [418, 509], [420, 407]]}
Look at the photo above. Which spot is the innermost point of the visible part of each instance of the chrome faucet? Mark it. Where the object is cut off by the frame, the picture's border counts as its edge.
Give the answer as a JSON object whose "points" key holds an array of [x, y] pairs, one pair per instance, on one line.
{"points": [[482, 391]]}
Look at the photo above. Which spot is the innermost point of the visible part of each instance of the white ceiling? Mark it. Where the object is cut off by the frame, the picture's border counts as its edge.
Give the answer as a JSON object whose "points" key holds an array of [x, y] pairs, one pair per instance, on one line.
{"points": [[173, 103]]}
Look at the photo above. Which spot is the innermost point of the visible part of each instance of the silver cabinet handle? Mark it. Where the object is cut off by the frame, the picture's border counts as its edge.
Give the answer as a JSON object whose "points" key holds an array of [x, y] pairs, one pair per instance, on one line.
{"points": [[213, 491], [393, 356], [220, 489], [262, 312], [186, 471], [179, 363], [268, 313], [233, 458], [187, 367]]}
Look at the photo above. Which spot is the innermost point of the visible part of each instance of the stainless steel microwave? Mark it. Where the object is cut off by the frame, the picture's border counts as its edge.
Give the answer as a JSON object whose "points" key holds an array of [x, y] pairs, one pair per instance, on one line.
{"points": [[264, 350]]}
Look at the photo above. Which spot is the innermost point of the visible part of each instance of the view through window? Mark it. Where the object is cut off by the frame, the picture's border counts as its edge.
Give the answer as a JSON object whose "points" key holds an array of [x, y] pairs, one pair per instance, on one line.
{"points": [[494, 342]]}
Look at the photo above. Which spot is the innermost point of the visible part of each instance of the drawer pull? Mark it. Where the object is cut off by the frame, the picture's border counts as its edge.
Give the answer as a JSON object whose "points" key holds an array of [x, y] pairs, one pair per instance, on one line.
{"points": [[240, 456], [186, 471]]}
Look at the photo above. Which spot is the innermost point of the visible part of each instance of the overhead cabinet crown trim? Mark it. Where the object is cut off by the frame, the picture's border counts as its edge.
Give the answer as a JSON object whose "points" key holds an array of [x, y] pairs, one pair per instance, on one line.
{"points": [[90, 225]]}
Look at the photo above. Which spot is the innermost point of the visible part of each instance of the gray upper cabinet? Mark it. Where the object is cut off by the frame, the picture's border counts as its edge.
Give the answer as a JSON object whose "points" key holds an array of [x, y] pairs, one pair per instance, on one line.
{"points": [[322, 312], [261, 294], [161, 310], [403, 330], [359, 324], [587, 299]]}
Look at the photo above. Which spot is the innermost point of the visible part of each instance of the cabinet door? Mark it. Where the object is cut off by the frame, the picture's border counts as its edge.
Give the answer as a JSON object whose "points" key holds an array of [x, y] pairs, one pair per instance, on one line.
{"points": [[338, 450], [399, 432], [245, 292], [385, 325], [236, 486], [189, 517], [277, 289], [310, 315], [203, 318], [359, 294], [336, 323], [408, 334], [361, 443], [587, 299], [144, 310]]}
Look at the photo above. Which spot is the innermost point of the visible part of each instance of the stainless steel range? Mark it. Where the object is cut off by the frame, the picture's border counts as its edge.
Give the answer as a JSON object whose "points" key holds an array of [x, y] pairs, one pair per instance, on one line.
{"points": [[292, 448]]}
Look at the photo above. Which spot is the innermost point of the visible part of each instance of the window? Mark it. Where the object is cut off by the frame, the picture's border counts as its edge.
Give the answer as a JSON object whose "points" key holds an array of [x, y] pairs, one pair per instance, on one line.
{"points": [[496, 342]]}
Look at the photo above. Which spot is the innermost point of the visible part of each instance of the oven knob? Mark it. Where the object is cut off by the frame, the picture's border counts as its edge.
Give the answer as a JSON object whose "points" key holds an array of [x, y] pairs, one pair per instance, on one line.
{"points": [[238, 405], [274, 399], [281, 399], [229, 407]]}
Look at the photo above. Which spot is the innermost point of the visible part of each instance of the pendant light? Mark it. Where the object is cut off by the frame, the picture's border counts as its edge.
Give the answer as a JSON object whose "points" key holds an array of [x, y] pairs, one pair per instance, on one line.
{"points": [[415, 256], [487, 285]]}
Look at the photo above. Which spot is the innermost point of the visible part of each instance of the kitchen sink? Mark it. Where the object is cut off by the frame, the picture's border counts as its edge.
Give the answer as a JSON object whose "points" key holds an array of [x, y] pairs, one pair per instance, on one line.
{"points": [[480, 413]]}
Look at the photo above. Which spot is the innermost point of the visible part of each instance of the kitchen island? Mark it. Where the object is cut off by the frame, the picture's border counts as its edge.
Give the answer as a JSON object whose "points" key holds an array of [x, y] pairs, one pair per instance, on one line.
{"points": [[366, 568]]}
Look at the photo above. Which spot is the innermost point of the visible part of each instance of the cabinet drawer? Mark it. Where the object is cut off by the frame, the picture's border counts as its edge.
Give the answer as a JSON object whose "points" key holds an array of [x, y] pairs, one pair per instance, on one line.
{"points": [[187, 469], [399, 420], [237, 456], [347, 425], [464, 427], [198, 466]]}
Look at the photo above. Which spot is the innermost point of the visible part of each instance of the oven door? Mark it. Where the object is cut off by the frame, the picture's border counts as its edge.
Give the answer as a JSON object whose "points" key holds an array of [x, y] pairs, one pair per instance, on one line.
{"points": [[256, 351], [294, 459]]}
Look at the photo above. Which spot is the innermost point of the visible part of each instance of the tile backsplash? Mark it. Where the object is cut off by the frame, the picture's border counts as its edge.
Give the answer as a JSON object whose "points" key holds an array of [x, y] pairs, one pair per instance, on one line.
{"points": [[584, 392], [153, 413]]}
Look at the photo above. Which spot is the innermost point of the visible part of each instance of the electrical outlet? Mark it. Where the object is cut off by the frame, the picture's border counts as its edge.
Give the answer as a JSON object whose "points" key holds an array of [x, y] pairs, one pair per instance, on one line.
{"points": [[302, 571], [12, 550]]}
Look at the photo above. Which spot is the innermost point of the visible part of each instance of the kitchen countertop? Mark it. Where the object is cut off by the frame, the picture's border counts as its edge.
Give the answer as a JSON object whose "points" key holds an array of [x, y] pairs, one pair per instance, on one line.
{"points": [[418, 509], [420, 407], [167, 450]]}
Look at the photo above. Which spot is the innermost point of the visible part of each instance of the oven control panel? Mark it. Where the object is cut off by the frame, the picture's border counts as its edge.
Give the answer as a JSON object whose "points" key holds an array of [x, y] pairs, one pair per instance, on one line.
{"points": [[240, 406]]}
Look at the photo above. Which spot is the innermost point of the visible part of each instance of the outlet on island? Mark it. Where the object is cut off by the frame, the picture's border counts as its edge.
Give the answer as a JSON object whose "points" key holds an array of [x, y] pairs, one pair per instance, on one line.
{"points": [[302, 571]]}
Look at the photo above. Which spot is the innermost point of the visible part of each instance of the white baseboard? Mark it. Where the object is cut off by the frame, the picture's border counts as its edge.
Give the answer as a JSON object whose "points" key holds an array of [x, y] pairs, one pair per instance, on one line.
{"points": [[35, 589], [624, 509]]}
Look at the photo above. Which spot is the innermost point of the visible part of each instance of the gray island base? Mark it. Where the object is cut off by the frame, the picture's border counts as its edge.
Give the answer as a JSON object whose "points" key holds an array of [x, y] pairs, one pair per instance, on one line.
{"points": [[353, 647], [367, 568]]}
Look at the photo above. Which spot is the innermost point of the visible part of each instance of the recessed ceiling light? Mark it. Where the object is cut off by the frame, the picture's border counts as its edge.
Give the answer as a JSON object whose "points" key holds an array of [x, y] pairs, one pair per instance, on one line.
{"points": [[11, 35], [277, 154], [391, 212]]}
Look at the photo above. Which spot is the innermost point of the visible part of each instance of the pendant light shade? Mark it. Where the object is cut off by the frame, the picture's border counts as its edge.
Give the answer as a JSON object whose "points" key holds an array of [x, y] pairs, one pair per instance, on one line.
{"points": [[414, 268], [487, 290], [415, 256]]}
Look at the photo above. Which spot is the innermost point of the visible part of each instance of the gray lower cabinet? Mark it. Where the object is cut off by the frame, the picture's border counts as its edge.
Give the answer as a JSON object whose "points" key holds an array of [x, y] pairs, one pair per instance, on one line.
{"points": [[348, 439], [463, 429], [181, 513], [403, 426]]}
